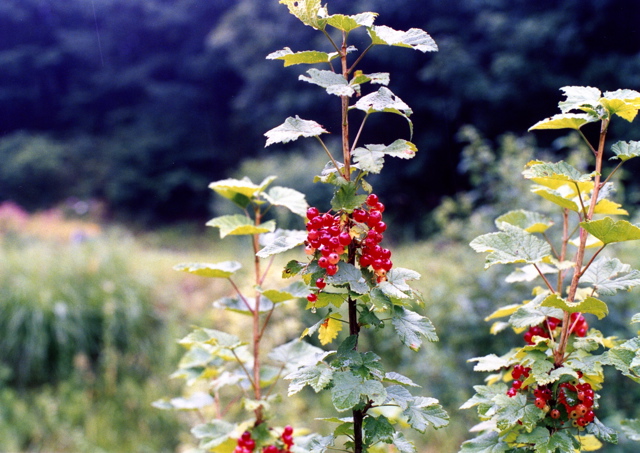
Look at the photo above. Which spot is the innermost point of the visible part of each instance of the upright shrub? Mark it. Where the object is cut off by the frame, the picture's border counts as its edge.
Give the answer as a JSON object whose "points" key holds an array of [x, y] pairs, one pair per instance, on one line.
{"points": [[544, 396]]}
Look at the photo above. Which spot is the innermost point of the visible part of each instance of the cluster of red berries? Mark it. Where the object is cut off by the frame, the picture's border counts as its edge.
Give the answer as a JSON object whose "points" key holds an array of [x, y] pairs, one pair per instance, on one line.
{"points": [[519, 374], [578, 325], [329, 236], [577, 401], [246, 444]]}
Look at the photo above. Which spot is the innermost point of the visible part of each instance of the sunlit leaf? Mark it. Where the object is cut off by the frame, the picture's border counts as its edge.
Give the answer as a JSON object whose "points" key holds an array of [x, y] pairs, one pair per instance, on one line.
{"points": [[501, 312], [588, 305], [579, 97], [212, 434], [424, 412], [305, 57], [310, 12], [412, 328], [626, 150], [554, 174], [413, 38], [238, 224], [316, 376], [349, 23], [288, 198], [631, 429], [332, 82], [513, 245], [563, 121], [532, 222], [384, 100], [240, 191], [488, 442], [224, 269], [292, 129], [490, 362], [280, 241], [348, 389], [329, 329], [609, 230], [293, 291], [556, 197], [608, 207], [197, 400], [371, 157], [296, 353]]}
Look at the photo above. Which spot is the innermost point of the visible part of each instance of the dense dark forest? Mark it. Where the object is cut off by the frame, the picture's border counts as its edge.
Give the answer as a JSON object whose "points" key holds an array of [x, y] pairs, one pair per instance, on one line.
{"points": [[141, 103]]}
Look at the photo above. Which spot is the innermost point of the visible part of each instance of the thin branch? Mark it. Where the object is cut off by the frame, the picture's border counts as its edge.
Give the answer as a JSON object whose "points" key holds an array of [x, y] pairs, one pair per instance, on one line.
{"points": [[584, 209], [355, 63], [612, 173], [266, 270], [355, 140], [331, 40], [241, 363], [329, 154], [545, 279], [246, 303], [593, 150], [591, 260]]}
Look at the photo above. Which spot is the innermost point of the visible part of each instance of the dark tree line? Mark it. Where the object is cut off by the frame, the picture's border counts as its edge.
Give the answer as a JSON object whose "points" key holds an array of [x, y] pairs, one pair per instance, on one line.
{"points": [[142, 103]]}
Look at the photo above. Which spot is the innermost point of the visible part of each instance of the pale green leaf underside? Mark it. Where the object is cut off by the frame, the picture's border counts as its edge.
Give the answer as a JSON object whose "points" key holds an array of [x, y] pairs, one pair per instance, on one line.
{"points": [[212, 434], [349, 23], [626, 150], [513, 245], [424, 412], [531, 222], [588, 305], [238, 224], [413, 38], [230, 188], [292, 129], [305, 57], [579, 97], [224, 269], [490, 362], [609, 275], [383, 100], [609, 230], [288, 198], [371, 157], [564, 121], [412, 327], [280, 241], [332, 82]]}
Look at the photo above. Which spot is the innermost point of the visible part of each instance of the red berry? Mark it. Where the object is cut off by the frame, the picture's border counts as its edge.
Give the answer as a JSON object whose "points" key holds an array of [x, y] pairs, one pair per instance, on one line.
{"points": [[333, 258], [374, 218], [555, 413], [288, 429], [312, 297], [332, 269], [378, 207], [312, 212], [320, 283], [372, 199], [540, 403], [360, 215], [323, 262], [344, 238]]}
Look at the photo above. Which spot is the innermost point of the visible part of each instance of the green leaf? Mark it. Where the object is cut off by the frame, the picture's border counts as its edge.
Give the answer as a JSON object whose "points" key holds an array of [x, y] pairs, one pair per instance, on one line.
{"points": [[631, 429], [412, 327], [350, 275], [397, 394], [539, 436], [513, 245], [533, 313], [512, 411], [381, 78], [609, 275], [213, 433], [397, 378], [488, 442], [609, 230], [348, 388], [556, 197], [224, 269], [413, 38], [305, 57], [347, 198], [293, 291], [280, 241], [292, 129], [316, 376], [484, 398], [635, 318], [531, 222], [197, 400], [310, 12], [238, 305], [602, 432], [349, 23], [238, 224], [378, 429], [332, 82], [297, 353], [396, 284], [371, 157], [554, 174], [626, 150], [211, 337], [240, 191], [424, 412], [626, 358], [563, 121], [384, 100], [579, 97], [560, 441], [624, 103], [402, 444], [288, 198], [588, 305]]}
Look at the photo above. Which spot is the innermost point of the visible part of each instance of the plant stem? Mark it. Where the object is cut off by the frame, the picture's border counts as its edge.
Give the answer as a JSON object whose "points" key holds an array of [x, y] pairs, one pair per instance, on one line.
{"points": [[346, 152], [559, 354], [257, 393]]}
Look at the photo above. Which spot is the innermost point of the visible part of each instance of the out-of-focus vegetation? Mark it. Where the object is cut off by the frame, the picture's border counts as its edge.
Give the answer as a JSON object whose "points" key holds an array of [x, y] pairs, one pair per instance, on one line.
{"points": [[141, 103]]}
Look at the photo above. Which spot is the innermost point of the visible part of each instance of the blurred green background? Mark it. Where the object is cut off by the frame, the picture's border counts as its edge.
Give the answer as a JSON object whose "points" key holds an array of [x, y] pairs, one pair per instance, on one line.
{"points": [[116, 114]]}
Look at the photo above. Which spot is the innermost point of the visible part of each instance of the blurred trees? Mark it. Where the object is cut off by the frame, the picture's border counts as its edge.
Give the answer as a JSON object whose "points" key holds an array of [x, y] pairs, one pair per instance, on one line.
{"points": [[146, 101]]}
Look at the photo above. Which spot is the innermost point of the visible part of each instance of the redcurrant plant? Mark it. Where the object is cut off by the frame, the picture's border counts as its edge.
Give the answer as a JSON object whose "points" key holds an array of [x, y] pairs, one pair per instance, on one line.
{"points": [[351, 279], [232, 377], [543, 395]]}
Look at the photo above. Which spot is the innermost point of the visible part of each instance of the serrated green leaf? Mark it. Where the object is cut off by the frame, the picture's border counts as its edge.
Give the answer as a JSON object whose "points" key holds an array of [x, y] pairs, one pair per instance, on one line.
{"points": [[305, 57], [513, 245], [484, 397], [626, 150], [396, 284], [239, 190], [554, 174], [609, 230], [371, 157], [424, 412], [197, 400], [412, 328], [588, 305], [350, 275], [292, 129], [397, 394], [347, 198], [224, 269], [288, 198], [213, 433], [488, 442], [280, 241], [533, 313], [556, 197], [579, 97], [310, 12], [381, 78], [350, 23], [332, 82], [316, 376], [609, 275], [243, 306], [293, 291], [238, 225], [296, 353], [397, 378], [531, 222], [560, 442], [635, 318], [378, 429], [211, 337], [402, 444], [413, 38], [539, 435], [383, 100], [602, 432], [512, 411], [348, 389]]}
